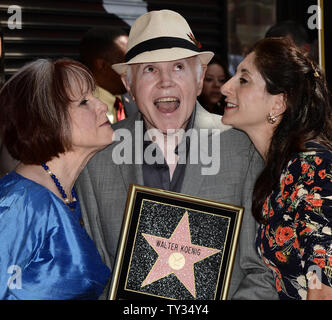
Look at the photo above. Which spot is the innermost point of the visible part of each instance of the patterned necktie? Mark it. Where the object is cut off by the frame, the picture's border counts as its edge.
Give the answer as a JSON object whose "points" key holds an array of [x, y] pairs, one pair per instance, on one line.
{"points": [[120, 112]]}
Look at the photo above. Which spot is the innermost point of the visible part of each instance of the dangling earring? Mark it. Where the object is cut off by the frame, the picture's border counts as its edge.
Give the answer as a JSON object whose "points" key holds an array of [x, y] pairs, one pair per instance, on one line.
{"points": [[271, 118]]}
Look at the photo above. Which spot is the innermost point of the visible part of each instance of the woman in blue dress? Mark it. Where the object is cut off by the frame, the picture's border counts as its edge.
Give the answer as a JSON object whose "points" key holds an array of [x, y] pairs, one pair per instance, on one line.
{"points": [[52, 124], [279, 97]]}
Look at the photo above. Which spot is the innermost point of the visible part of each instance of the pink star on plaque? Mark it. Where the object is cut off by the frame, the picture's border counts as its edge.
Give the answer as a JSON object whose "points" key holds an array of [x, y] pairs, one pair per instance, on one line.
{"points": [[177, 255]]}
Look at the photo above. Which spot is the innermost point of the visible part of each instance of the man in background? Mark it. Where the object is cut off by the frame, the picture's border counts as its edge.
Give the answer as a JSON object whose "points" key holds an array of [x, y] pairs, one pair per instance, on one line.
{"points": [[101, 47], [292, 30]]}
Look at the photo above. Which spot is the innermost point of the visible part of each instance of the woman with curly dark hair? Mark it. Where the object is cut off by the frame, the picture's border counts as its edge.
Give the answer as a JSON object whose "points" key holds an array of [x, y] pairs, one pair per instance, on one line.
{"points": [[279, 97]]}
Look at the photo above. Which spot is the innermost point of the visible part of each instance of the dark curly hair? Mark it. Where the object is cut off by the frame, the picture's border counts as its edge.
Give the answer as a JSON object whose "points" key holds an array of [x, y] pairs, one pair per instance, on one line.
{"points": [[308, 114]]}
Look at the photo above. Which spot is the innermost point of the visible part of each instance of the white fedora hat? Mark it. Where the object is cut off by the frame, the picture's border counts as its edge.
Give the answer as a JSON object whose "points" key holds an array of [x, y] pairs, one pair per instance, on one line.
{"points": [[158, 36]]}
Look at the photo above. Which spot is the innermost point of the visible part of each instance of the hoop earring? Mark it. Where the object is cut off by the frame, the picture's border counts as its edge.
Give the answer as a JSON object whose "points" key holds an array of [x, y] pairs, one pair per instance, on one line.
{"points": [[271, 118]]}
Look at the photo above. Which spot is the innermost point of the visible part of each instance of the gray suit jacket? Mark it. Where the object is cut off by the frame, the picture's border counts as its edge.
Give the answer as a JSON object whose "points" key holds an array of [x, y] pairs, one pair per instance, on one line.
{"points": [[129, 104], [103, 185]]}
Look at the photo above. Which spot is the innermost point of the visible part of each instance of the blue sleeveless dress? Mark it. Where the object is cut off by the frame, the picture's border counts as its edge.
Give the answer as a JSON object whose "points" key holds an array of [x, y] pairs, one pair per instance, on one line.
{"points": [[45, 253]]}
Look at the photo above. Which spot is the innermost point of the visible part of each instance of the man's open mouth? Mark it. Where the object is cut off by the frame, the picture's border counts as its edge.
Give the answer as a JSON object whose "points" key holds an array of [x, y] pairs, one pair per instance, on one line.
{"points": [[167, 104]]}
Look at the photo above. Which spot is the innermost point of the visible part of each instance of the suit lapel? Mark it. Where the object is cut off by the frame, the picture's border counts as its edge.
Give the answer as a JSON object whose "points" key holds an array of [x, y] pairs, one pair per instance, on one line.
{"points": [[193, 177], [131, 172]]}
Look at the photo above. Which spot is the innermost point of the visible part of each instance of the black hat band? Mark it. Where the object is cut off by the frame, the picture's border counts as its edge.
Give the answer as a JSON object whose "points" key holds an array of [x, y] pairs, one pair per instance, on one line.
{"points": [[160, 43]]}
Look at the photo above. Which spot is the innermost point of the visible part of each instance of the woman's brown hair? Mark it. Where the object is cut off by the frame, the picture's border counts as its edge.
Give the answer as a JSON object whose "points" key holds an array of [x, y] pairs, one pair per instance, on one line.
{"points": [[34, 118]]}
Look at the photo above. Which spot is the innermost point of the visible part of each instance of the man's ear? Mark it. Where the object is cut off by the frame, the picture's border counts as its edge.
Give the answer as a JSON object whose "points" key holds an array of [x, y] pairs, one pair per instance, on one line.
{"points": [[201, 79], [126, 84], [125, 81]]}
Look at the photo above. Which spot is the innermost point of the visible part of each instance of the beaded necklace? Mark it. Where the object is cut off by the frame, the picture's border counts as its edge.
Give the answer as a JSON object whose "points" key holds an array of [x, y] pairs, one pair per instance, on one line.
{"points": [[71, 205]]}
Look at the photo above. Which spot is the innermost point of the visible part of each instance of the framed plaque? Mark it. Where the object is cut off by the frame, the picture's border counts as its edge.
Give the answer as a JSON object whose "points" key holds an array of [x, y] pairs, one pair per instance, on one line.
{"points": [[174, 246]]}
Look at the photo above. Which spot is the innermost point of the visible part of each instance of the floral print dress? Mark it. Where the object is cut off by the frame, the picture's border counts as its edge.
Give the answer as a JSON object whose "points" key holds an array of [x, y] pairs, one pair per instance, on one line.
{"points": [[296, 242]]}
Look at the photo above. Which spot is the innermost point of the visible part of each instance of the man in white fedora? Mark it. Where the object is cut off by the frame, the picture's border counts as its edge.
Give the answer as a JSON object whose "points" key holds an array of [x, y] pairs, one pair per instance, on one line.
{"points": [[164, 72]]}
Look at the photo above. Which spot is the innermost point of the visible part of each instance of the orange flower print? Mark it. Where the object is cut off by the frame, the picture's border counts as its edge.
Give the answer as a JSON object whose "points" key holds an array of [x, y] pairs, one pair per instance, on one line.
{"points": [[265, 207], [271, 243], [287, 233], [282, 185], [311, 173], [267, 230], [320, 251], [308, 197], [330, 261], [322, 174], [278, 284], [306, 230], [271, 213], [276, 270], [279, 200], [280, 256], [315, 202], [296, 244], [305, 167], [283, 235], [318, 160], [285, 194], [294, 195], [320, 262], [289, 179]]}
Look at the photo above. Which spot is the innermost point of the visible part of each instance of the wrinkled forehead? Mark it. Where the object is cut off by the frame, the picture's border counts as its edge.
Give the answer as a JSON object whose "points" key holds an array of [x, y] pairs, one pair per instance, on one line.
{"points": [[190, 62]]}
